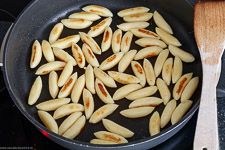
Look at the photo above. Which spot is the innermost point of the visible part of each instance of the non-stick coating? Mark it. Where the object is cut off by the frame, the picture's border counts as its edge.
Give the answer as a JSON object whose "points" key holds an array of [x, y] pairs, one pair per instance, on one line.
{"points": [[37, 21]]}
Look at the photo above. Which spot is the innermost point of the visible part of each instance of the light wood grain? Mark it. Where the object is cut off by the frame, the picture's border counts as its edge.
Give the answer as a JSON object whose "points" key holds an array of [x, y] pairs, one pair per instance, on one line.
{"points": [[209, 28]]}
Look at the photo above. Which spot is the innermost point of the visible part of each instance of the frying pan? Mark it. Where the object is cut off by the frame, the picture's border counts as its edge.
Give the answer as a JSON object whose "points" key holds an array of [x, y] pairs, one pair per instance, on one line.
{"points": [[36, 22]]}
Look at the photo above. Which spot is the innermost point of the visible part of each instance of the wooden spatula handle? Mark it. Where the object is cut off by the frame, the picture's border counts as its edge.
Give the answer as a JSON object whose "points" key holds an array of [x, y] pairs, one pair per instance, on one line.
{"points": [[209, 29], [206, 135]]}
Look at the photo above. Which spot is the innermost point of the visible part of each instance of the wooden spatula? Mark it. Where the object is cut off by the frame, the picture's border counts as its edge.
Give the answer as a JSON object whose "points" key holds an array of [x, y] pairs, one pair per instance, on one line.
{"points": [[209, 29]]}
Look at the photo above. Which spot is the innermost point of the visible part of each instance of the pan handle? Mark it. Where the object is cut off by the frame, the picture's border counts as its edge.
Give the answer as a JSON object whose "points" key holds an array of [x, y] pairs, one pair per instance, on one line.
{"points": [[3, 45]]}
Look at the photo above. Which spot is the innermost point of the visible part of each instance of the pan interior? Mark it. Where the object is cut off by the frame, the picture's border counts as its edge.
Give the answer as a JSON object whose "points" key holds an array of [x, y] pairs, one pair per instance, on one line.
{"points": [[36, 23]]}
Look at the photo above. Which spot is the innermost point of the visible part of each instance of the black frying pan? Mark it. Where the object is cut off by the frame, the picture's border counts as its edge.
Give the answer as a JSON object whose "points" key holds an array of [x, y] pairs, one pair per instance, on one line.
{"points": [[36, 22]]}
